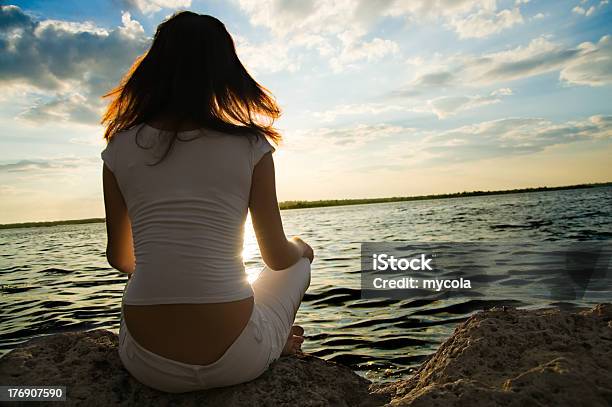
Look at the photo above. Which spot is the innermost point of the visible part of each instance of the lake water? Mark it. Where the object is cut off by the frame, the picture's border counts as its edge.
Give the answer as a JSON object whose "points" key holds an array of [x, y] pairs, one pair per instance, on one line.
{"points": [[56, 279]]}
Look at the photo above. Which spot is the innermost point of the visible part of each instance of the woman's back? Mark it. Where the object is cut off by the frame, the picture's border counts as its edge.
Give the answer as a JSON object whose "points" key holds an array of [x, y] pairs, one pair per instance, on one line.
{"points": [[187, 213], [187, 216]]}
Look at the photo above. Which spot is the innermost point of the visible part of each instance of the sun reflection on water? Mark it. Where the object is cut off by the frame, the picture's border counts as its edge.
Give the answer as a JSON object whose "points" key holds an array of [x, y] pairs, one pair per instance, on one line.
{"points": [[250, 252]]}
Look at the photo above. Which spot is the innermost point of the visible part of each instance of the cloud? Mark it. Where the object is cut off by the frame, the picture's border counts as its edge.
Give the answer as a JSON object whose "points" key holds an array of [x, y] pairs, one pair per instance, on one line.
{"points": [[153, 6], [45, 165], [450, 105], [486, 22], [336, 29], [442, 107], [591, 10], [345, 137], [284, 18], [467, 17], [585, 64], [74, 108], [424, 82], [359, 51], [397, 145], [49, 54], [434, 79], [593, 67], [539, 56], [256, 57], [329, 115], [512, 136], [579, 10], [71, 63], [587, 12]]}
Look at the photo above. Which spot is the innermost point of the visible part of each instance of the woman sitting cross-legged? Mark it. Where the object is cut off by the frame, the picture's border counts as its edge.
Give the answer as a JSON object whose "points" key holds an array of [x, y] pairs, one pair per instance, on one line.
{"points": [[187, 157]]}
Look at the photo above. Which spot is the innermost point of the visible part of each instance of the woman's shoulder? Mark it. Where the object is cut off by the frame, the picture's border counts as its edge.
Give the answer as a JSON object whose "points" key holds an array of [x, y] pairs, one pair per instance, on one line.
{"points": [[255, 143], [254, 139], [261, 146], [263, 143], [122, 134]]}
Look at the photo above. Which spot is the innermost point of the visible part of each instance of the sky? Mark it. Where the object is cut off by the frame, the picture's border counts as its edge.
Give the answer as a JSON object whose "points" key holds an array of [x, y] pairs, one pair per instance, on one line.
{"points": [[379, 97]]}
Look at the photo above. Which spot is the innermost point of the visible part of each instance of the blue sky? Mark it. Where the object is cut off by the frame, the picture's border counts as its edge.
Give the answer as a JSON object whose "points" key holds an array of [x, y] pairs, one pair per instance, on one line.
{"points": [[379, 97]]}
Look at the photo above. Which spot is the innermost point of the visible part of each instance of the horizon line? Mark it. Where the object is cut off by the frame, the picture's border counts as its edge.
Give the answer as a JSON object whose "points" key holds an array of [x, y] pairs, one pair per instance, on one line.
{"points": [[304, 204]]}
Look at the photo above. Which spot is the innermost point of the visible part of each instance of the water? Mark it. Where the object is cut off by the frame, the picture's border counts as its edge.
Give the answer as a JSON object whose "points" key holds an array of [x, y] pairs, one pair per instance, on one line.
{"points": [[56, 279]]}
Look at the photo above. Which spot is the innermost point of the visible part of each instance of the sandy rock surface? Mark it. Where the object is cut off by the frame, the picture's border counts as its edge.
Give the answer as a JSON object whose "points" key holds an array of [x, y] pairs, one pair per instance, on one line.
{"points": [[509, 357], [88, 364]]}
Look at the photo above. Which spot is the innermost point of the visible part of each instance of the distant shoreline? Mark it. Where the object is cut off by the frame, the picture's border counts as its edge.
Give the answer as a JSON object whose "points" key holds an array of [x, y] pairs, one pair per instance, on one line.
{"points": [[340, 202]]}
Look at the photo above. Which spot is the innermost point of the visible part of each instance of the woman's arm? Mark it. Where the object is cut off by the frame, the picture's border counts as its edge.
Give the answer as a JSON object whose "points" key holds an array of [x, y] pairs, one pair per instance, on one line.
{"points": [[120, 245], [277, 252]]}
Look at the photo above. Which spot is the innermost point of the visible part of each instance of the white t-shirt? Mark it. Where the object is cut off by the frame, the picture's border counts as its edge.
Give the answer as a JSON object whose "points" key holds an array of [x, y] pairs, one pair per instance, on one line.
{"points": [[187, 212]]}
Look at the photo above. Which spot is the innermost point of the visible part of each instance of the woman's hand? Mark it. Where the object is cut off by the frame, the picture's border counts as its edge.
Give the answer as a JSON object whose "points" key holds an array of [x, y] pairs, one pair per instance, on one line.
{"points": [[305, 247]]}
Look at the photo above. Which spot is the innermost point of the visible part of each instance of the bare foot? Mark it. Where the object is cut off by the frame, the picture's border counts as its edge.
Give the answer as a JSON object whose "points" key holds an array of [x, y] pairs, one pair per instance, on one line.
{"points": [[294, 341]]}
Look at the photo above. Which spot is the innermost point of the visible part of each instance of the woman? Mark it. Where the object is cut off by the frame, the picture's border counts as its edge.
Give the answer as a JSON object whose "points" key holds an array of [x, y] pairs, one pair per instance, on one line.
{"points": [[187, 157]]}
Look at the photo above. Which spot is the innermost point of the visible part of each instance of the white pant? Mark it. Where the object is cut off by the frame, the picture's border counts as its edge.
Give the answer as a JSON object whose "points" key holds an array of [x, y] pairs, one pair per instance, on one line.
{"points": [[278, 295]]}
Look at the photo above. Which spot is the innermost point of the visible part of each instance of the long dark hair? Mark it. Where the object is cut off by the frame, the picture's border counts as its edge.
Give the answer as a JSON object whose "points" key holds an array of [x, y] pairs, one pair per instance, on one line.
{"points": [[191, 72]]}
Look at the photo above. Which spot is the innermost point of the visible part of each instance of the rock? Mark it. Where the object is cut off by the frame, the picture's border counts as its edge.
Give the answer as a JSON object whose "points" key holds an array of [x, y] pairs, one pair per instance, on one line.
{"points": [[510, 357], [500, 357], [88, 364]]}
